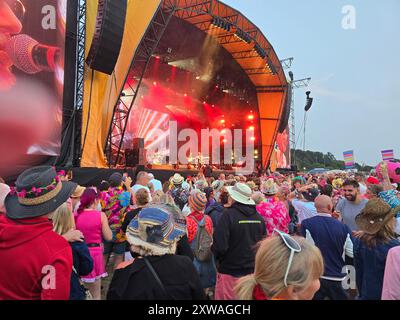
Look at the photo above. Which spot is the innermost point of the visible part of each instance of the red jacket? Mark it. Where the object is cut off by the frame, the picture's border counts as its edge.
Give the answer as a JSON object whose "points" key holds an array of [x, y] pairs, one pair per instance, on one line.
{"points": [[35, 262]]}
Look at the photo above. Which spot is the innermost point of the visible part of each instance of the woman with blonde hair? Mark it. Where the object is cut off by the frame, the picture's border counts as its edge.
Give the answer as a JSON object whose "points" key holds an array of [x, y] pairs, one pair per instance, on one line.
{"points": [[82, 261], [286, 268]]}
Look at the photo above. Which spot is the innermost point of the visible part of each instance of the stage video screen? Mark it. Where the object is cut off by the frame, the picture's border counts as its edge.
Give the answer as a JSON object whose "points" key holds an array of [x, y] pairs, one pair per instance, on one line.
{"points": [[32, 43]]}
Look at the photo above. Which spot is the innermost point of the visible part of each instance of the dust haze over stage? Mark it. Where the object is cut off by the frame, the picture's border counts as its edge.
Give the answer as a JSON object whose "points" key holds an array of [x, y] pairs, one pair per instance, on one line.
{"points": [[193, 80]]}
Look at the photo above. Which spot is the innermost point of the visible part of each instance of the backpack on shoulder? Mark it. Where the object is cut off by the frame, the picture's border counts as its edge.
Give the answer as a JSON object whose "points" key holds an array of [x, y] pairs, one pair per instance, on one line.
{"points": [[201, 245]]}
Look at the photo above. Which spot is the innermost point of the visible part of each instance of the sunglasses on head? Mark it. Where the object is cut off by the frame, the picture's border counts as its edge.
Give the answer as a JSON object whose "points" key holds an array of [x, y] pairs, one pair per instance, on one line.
{"points": [[294, 247]]}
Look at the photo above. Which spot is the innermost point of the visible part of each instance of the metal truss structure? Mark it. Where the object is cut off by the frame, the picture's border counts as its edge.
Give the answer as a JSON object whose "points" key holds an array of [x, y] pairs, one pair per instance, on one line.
{"points": [[231, 28], [134, 80]]}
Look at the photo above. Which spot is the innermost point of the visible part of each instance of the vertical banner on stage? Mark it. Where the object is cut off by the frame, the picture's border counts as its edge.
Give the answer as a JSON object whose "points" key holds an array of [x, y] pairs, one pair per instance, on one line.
{"points": [[348, 159], [101, 91], [387, 155], [32, 43]]}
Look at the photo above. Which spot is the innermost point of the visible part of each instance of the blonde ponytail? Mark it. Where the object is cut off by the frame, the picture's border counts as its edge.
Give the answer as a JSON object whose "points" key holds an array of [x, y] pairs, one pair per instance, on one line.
{"points": [[245, 287]]}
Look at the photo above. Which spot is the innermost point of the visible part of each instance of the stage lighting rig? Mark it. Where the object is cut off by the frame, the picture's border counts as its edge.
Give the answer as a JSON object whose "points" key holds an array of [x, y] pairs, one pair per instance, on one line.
{"points": [[309, 101], [221, 23], [261, 52], [244, 36]]}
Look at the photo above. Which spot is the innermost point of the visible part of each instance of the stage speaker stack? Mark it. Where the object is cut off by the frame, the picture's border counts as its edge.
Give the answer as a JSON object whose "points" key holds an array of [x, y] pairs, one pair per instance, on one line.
{"points": [[137, 155], [107, 39]]}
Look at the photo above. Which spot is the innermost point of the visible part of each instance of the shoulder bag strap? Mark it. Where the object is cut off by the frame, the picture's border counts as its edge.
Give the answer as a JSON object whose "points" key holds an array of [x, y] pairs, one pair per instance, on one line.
{"points": [[155, 275]]}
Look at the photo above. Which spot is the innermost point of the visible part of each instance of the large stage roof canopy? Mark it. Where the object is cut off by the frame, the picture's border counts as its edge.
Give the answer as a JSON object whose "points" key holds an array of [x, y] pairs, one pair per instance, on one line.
{"points": [[243, 40]]}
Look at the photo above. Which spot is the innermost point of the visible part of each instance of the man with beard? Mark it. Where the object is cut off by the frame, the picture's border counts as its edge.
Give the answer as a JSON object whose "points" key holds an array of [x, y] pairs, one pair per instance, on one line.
{"points": [[352, 205]]}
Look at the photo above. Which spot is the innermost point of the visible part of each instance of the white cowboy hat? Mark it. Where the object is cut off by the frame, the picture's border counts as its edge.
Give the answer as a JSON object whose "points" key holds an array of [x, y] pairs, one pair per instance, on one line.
{"points": [[241, 193]]}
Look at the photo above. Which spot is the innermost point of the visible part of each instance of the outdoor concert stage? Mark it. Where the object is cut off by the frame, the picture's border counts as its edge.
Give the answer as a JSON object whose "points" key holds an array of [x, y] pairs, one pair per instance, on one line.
{"points": [[197, 63]]}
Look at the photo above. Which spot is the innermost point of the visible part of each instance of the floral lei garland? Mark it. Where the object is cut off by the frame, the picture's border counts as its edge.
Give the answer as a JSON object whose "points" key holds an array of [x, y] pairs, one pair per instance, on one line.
{"points": [[35, 192]]}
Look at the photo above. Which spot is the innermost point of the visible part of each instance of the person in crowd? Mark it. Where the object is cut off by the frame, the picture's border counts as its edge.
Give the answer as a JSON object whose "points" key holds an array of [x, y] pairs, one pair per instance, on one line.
{"points": [[238, 231], [334, 241], [198, 222], [286, 268], [360, 178], [209, 192], [115, 203], [103, 186], [183, 247], [252, 185], [178, 193], [352, 204], [326, 190], [391, 279], [82, 261], [142, 182], [297, 182], [76, 197], [221, 177], [377, 223], [373, 191], [94, 226], [215, 210], [303, 201], [201, 185], [156, 183], [217, 185], [142, 200], [273, 211], [258, 197], [157, 273], [4, 190], [30, 250]]}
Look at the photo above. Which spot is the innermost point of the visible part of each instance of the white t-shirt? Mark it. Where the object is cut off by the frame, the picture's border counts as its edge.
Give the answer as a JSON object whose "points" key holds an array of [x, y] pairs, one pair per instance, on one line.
{"points": [[363, 188], [156, 184], [304, 209]]}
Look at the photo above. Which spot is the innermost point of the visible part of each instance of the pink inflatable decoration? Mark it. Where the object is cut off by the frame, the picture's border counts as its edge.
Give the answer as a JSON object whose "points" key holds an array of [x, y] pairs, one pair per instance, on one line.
{"points": [[393, 170]]}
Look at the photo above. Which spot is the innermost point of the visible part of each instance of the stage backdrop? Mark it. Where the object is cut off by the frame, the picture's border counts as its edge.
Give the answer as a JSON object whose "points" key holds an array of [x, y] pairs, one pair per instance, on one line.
{"points": [[101, 90]]}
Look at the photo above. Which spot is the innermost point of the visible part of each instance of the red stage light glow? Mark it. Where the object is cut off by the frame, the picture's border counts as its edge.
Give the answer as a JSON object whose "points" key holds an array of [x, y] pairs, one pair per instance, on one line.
{"points": [[253, 139], [250, 117], [154, 83], [251, 128], [222, 121]]}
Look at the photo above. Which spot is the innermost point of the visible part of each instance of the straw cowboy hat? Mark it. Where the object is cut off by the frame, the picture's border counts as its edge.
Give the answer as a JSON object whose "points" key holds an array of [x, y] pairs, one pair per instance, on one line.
{"points": [[269, 187], [241, 193], [155, 230], [177, 179], [375, 215], [38, 191], [78, 192], [217, 185]]}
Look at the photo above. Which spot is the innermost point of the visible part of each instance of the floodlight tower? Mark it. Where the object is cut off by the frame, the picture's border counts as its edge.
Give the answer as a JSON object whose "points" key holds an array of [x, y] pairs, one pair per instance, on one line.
{"points": [[294, 84]]}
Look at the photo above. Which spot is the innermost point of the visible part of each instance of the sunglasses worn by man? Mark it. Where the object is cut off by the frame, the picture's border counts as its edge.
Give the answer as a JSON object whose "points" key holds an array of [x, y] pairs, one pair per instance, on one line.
{"points": [[294, 247]]}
